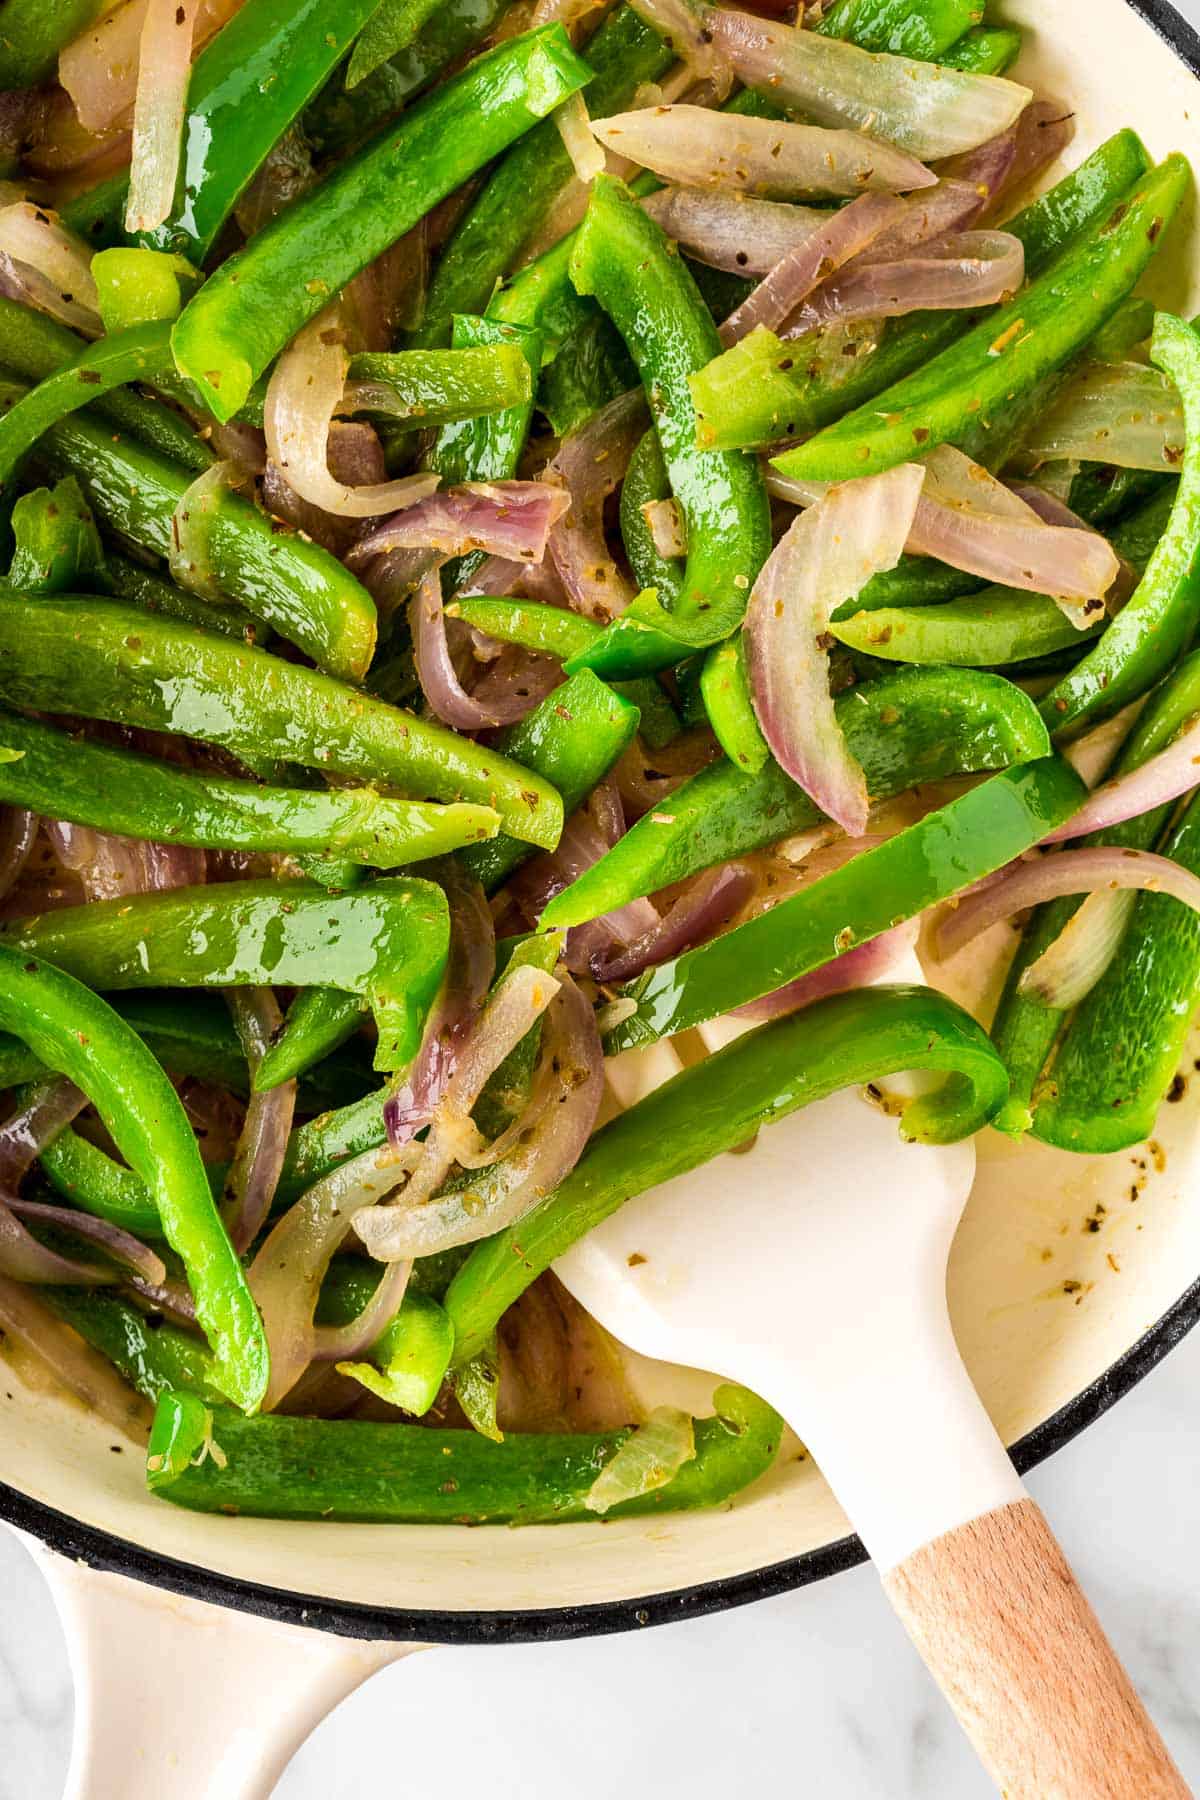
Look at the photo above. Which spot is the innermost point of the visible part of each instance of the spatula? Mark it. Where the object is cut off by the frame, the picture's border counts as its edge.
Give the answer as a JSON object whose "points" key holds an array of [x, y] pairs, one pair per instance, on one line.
{"points": [[812, 1268]]}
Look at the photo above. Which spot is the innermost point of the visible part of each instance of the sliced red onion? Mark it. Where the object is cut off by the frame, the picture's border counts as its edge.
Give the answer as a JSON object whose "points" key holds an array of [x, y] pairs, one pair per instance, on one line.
{"points": [[171, 1297], [18, 829], [78, 1368], [304, 392], [824, 558], [773, 159], [710, 903], [355, 457], [1174, 771], [684, 29], [164, 70], [668, 528], [1072, 965], [1004, 164], [1084, 871], [1122, 413], [438, 677], [346, 1343], [926, 109], [590, 464], [66, 153], [732, 231], [986, 170], [111, 867], [393, 578], [469, 968], [929, 216], [286, 1275], [516, 680], [560, 1119], [99, 68], [258, 1160], [1052, 509], [971, 268], [49, 1109], [845, 234], [240, 444], [46, 266], [514, 1007], [536, 581], [858, 967], [575, 130], [509, 519], [586, 836], [122, 1246]]}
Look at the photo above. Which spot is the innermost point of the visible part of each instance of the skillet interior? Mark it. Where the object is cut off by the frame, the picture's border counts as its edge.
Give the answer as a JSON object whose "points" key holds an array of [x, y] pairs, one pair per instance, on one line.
{"points": [[1056, 1321]]}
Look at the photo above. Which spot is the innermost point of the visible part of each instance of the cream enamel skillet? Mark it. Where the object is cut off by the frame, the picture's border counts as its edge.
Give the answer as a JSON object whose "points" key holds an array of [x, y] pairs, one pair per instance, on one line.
{"points": [[1055, 1320]]}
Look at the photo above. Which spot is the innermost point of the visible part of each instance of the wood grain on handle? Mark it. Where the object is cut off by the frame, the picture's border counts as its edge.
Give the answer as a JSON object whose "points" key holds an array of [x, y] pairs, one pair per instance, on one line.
{"points": [[1001, 1622]]}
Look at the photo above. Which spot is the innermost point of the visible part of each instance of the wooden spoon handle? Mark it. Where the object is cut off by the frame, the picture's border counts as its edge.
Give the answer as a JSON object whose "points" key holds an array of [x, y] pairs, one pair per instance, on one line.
{"points": [[1005, 1629]]}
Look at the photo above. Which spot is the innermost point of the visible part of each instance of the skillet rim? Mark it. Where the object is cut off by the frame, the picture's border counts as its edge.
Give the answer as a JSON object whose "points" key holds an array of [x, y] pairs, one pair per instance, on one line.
{"points": [[558, 1624]]}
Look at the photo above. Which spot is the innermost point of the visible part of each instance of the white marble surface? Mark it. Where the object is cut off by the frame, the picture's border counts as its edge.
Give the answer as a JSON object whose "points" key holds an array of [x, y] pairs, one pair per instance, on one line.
{"points": [[822, 1682]]}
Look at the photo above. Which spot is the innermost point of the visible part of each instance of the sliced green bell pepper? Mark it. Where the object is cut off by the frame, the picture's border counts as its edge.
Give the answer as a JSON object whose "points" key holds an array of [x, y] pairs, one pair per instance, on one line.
{"points": [[55, 543]]}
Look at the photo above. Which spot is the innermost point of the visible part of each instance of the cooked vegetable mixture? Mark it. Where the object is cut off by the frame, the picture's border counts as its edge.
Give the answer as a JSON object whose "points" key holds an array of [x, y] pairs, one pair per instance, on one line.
{"points": [[530, 530]]}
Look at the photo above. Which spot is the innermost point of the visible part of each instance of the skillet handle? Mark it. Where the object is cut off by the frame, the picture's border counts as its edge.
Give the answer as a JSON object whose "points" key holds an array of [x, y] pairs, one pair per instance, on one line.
{"points": [[175, 1696], [1002, 1624]]}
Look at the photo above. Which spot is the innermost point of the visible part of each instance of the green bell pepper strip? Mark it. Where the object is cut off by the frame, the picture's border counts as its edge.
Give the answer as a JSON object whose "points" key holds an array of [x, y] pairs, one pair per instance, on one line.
{"points": [[1161, 615], [337, 121], [134, 355], [32, 34], [729, 704], [924, 32], [624, 259], [442, 387], [247, 87], [77, 1033], [138, 286], [98, 213], [118, 790], [131, 581], [296, 1468], [571, 740], [407, 1363], [105, 660], [987, 50], [1024, 1030], [931, 861], [851, 1038], [550, 630], [591, 368], [90, 1179], [391, 28], [1124, 1042], [646, 481], [970, 393], [909, 726], [761, 390], [915, 581], [319, 1021], [258, 300], [153, 1359], [486, 448], [981, 631], [295, 585], [387, 942], [1101, 492], [640, 641], [624, 53], [35, 346], [55, 543]]}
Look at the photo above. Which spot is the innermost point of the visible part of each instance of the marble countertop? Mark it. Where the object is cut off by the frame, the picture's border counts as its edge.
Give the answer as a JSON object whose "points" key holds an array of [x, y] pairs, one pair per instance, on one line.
{"points": [[823, 1680]]}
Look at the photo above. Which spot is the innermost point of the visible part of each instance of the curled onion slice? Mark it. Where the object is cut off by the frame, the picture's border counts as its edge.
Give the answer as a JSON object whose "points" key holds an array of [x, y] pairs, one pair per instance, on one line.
{"points": [[111, 867], [732, 231], [590, 463], [511, 519], [304, 392], [1122, 413], [823, 559], [1174, 771], [1084, 871], [923, 108], [968, 268], [1072, 965], [47, 266], [164, 69], [262, 1145], [699, 914], [439, 678], [682, 27], [333, 1343], [773, 159], [841, 237]]}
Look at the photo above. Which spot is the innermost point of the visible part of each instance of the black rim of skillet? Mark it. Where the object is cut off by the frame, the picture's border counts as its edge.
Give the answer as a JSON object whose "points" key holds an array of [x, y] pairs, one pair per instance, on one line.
{"points": [[101, 1550]]}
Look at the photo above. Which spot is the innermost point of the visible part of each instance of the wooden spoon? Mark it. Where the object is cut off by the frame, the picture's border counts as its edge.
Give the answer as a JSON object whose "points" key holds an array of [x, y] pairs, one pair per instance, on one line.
{"points": [[812, 1268]]}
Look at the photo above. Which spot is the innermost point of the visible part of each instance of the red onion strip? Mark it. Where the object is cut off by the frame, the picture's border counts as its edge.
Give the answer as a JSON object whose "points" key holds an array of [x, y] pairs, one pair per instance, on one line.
{"points": [[824, 558], [844, 235], [258, 1160], [1083, 871], [575, 130], [1174, 771], [164, 70], [732, 231], [510, 519], [972, 268], [858, 967], [709, 904], [438, 677], [346, 1343], [75, 1365], [1120, 413], [121, 1245], [590, 463], [773, 159], [99, 68], [44, 265], [1072, 965]]}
